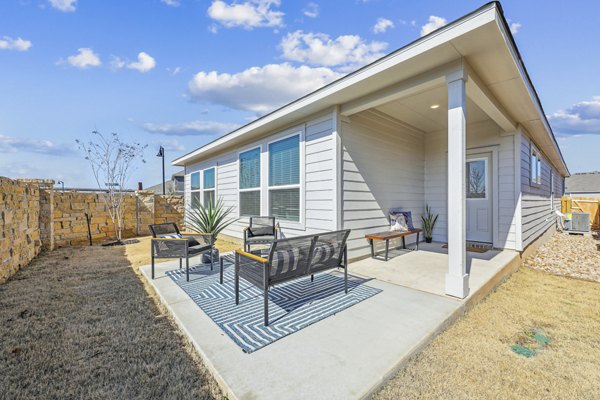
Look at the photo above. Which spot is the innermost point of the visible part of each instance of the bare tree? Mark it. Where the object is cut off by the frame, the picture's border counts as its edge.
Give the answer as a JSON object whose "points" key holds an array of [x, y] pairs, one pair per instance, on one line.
{"points": [[112, 162], [476, 183]]}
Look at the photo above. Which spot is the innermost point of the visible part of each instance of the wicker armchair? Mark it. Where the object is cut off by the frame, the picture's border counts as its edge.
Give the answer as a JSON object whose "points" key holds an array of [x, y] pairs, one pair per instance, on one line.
{"points": [[290, 259], [262, 230], [167, 242]]}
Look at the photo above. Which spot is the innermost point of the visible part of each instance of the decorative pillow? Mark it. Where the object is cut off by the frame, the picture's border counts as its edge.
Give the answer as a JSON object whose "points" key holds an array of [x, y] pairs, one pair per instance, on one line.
{"points": [[192, 242], [407, 217], [172, 236], [261, 230], [398, 222]]}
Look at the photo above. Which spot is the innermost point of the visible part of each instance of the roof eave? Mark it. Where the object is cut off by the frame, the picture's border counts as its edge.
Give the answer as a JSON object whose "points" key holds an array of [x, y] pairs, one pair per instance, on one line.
{"points": [[321, 93]]}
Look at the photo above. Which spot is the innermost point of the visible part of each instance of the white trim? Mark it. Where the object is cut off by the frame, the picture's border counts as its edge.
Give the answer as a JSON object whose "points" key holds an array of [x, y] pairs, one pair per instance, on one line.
{"points": [[493, 149], [487, 183], [532, 94], [534, 151], [338, 162], [518, 211], [457, 278], [310, 103], [485, 99]]}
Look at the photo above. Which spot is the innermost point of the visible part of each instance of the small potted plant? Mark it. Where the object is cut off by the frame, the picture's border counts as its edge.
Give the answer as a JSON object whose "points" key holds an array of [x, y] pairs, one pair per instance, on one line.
{"points": [[429, 220], [210, 218]]}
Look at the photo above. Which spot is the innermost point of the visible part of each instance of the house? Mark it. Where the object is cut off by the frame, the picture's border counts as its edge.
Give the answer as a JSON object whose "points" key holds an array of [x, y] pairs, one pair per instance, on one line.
{"points": [[173, 186], [407, 130], [584, 184]]}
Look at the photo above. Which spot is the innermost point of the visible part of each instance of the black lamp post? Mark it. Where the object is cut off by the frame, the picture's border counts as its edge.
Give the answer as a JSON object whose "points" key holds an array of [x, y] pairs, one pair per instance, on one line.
{"points": [[161, 153]]}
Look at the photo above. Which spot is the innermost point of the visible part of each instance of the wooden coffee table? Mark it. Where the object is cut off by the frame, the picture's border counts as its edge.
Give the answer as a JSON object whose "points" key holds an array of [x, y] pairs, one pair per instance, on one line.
{"points": [[391, 235]]}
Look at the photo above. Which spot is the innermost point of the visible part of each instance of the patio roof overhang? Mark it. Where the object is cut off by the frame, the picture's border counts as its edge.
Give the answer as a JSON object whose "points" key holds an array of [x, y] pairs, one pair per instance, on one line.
{"points": [[480, 41]]}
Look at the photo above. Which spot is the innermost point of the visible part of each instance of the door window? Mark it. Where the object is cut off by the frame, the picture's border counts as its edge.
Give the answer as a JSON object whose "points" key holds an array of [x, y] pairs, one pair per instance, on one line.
{"points": [[476, 179]]}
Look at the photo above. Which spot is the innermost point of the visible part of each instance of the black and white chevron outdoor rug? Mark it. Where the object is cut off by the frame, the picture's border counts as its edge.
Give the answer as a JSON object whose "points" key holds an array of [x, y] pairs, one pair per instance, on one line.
{"points": [[292, 306]]}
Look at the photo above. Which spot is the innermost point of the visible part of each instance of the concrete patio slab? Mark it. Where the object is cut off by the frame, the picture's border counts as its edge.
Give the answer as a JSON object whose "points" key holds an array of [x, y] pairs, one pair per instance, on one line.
{"points": [[425, 270], [345, 356], [352, 353]]}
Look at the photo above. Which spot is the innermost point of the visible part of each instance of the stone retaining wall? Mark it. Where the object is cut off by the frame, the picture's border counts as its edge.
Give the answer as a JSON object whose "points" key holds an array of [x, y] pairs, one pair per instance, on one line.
{"points": [[19, 225], [141, 209], [33, 217]]}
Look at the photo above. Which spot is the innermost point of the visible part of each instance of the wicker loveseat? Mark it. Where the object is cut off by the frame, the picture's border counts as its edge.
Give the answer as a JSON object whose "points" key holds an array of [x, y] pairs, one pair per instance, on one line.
{"points": [[167, 242], [290, 259]]}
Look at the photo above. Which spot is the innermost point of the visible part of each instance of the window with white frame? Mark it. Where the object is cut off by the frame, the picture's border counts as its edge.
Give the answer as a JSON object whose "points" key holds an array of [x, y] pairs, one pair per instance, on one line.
{"points": [[195, 188], [535, 167], [249, 182], [208, 186], [284, 179]]}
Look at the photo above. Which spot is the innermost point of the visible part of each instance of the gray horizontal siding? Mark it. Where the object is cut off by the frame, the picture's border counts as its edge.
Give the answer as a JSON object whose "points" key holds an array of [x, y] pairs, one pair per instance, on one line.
{"points": [[537, 205], [383, 166], [319, 172]]}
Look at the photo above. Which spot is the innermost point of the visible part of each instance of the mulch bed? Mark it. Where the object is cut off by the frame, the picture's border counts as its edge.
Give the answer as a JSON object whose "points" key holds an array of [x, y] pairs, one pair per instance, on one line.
{"points": [[78, 324]]}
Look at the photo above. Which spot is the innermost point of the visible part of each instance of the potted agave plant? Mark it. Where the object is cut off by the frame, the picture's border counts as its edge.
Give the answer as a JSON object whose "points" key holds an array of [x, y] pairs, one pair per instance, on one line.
{"points": [[209, 218], [429, 220]]}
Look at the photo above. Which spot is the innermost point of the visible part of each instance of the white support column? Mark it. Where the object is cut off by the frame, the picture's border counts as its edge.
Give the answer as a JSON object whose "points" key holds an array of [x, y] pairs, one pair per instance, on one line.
{"points": [[457, 279]]}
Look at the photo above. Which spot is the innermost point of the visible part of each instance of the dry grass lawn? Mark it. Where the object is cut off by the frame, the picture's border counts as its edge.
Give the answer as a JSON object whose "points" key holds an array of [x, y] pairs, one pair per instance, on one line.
{"points": [[77, 323], [473, 359]]}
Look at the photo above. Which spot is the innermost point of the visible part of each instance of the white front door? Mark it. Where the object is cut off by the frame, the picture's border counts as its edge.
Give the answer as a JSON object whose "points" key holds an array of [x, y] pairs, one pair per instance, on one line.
{"points": [[479, 197]]}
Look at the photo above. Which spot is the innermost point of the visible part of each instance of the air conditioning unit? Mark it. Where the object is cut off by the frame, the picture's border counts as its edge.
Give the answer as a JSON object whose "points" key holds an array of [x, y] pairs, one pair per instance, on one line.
{"points": [[577, 222]]}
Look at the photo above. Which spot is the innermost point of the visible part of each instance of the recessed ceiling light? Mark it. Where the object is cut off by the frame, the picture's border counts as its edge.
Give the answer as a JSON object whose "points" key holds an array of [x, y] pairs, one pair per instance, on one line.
{"points": [[434, 106]]}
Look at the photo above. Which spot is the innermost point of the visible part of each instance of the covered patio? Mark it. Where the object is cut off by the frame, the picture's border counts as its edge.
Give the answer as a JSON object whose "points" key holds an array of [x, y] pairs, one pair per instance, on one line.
{"points": [[425, 270]]}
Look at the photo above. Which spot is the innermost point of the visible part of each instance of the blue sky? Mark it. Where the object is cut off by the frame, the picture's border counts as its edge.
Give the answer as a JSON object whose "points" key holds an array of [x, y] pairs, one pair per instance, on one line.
{"points": [[180, 73]]}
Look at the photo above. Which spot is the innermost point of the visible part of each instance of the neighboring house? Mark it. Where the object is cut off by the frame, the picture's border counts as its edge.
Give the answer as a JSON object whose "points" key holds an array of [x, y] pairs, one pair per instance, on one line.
{"points": [[584, 184], [404, 132], [173, 186]]}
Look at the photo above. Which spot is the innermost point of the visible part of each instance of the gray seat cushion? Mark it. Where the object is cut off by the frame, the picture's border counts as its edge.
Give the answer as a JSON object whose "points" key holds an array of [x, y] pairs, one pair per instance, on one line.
{"points": [[261, 230], [260, 239], [198, 249]]}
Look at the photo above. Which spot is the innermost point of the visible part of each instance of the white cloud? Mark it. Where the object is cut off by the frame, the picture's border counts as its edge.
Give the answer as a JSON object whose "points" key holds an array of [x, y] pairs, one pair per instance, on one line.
{"points": [[192, 128], [347, 52], [18, 44], [144, 63], [311, 10], [249, 14], [172, 3], [581, 118], [259, 89], [173, 71], [171, 145], [382, 25], [117, 63], [10, 144], [64, 5], [84, 58], [433, 24], [514, 27], [213, 28]]}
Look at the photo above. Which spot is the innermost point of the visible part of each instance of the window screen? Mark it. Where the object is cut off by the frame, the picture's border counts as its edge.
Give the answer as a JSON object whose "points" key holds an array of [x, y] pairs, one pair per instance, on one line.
{"points": [[285, 204], [195, 199], [209, 197], [250, 169], [209, 178], [196, 181], [250, 203], [284, 162]]}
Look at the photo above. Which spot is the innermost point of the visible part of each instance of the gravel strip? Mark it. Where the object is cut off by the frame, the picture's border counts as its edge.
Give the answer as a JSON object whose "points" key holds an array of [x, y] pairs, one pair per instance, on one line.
{"points": [[574, 256]]}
